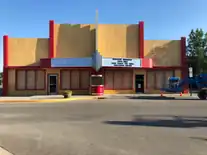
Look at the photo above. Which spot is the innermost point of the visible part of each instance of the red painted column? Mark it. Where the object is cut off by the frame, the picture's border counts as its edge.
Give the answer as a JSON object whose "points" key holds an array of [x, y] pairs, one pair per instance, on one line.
{"points": [[5, 65], [141, 39], [51, 39], [183, 61]]}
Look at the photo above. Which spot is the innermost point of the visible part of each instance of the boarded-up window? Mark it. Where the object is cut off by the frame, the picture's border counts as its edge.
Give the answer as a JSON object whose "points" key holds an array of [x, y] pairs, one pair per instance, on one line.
{"points": [[30, 79], [118, 76], [109, 76], [150, 80], [127, 82], [84, 79], [21, 78], [117, 80], [75, 79], [40, 79], [160, 79], [65, 79]]}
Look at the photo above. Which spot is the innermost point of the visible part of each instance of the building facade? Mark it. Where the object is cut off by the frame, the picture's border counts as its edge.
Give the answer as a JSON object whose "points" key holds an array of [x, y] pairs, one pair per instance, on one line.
{"points": [[72, 53]]}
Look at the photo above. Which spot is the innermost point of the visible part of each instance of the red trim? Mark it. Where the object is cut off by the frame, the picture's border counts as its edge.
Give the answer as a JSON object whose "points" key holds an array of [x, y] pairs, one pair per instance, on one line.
{"points": [[141, 39], [146, 80], [5, 64], [45, 63], [51, 39], [26, 70], [24, 67], [5, 49], [5, 81]]}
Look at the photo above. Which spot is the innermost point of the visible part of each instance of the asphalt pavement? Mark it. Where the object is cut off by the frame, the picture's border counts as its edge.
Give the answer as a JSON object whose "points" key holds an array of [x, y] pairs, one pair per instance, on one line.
{"points": [[105, 127]]}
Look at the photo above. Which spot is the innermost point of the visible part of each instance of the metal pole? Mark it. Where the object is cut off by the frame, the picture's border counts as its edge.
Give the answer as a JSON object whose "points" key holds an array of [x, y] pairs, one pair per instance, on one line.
{"points": [[96, 27], [190, 69]]}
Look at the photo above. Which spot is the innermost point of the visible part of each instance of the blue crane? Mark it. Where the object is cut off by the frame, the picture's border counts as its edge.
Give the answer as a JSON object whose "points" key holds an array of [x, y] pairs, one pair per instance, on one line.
{"points": [[175, 85]]}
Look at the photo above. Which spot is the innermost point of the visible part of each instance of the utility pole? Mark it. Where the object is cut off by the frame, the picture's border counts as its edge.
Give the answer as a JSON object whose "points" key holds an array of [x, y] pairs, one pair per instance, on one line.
{"points": [[96, 27]]}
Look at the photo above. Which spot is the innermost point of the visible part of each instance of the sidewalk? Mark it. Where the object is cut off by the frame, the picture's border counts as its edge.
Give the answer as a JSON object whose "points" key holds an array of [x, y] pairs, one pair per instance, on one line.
{"points": [[59, 98], [150, 96], [43, 99]]}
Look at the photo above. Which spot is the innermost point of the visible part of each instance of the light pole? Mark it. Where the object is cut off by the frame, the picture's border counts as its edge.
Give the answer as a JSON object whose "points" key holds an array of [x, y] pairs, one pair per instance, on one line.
{"points": [[96, 27]]}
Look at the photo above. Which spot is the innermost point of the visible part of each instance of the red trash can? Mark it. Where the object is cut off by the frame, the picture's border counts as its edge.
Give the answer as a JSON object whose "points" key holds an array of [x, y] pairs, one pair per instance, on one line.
{"points": [[97, 90]]}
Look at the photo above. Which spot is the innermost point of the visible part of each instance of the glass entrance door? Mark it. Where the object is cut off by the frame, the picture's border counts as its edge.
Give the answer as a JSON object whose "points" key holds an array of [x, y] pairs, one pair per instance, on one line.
{"points": [[52, 84]]}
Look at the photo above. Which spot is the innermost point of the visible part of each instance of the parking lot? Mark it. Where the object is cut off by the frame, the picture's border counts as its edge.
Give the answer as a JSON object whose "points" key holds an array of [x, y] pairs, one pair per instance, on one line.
{"points": [[105, 127]]}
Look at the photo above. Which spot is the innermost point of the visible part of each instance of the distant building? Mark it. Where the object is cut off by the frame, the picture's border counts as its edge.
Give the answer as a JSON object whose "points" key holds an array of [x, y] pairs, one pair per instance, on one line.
{"points": [[72, 53]]}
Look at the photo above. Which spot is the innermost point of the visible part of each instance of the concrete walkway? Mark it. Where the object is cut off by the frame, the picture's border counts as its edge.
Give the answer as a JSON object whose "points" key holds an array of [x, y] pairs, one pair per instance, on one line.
{"points": [[59, 98], [43, 98], [151, 96]]}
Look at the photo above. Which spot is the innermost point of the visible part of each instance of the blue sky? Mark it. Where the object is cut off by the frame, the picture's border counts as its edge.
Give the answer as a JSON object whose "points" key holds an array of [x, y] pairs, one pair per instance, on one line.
{"points": [[164, 19]]}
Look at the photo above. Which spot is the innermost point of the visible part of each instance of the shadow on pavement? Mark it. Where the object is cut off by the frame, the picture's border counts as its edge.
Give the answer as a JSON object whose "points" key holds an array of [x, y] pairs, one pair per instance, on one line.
{"points": [[199, 138], [163, 121], [160, 98]]}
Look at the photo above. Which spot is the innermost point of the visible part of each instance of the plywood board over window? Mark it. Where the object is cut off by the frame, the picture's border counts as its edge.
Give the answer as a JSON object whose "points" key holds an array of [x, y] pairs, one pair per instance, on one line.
{"points": [[20, 80], [160, 79], [109, 80], [84, 79], [150, 80], [118, 80], [40, 79], [30, 79], [127, 82], [75, 79], [65, 79]]}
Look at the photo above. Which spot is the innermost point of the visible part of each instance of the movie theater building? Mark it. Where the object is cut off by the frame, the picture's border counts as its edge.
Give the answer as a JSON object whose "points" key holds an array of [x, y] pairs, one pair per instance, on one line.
{"points": [[77, 57]]}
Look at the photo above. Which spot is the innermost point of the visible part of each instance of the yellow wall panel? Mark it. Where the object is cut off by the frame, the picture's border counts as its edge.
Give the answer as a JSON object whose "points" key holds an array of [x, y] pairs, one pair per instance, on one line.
{"points": [[164, 52], [118, 40], [27, 51], [74, 40]]}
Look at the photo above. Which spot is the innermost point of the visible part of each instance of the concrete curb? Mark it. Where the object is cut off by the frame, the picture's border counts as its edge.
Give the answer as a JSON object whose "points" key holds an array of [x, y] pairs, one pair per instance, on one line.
{"points": [[4, 152], [44, 100]]}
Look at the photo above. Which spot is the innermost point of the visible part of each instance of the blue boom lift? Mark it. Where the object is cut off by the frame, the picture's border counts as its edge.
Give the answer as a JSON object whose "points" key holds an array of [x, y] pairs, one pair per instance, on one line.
{"points": [[175, 85]]}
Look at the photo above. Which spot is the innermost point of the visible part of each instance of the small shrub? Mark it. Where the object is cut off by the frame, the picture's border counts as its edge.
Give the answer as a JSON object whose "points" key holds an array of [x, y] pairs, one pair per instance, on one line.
{"points": [[67, 94]]}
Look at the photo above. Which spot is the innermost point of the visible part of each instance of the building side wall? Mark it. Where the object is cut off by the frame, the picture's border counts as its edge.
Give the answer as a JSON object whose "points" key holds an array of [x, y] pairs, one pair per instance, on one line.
{"points": [[27, 51], [74, 41], [118, 40], [164, 52]]}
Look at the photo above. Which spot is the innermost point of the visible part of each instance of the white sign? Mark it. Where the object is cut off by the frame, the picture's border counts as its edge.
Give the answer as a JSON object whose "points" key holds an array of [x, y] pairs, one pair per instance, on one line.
{"points": [[121, 62], [190, 72]]}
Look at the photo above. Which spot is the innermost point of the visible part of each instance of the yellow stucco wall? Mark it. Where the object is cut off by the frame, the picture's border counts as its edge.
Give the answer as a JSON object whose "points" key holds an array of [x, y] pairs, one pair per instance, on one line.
{"points": [[27, 51], [118, 40], [74, 40], [165, 52]]}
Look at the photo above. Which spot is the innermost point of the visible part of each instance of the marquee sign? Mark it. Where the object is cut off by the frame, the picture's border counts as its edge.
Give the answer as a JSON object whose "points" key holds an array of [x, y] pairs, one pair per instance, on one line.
{"points": [[121, 62]]}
